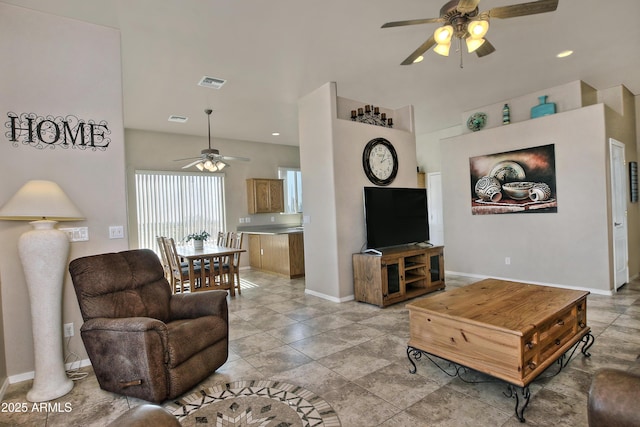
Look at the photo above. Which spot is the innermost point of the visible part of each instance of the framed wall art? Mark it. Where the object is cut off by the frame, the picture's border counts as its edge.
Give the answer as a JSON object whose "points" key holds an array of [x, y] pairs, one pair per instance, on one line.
{"points": [[520, 181]]}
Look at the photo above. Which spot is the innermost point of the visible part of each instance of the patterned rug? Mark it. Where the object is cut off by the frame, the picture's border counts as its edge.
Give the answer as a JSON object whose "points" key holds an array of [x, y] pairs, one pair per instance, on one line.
{"points": [[259, 403]]}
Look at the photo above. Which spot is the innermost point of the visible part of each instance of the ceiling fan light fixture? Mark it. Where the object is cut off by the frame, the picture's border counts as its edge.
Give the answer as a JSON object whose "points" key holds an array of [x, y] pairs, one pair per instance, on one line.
{"points": [[442, 35], [478, 29], [200, 166], [418, 59], [442, 49], [474, 44]]}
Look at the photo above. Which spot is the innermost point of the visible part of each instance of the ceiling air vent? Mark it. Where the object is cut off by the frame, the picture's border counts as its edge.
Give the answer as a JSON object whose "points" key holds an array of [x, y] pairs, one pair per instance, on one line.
{"points": [[178, 119], [211, 82]]}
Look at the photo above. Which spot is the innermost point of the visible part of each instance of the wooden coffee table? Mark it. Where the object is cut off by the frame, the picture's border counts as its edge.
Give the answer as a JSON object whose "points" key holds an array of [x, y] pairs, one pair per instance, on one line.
{"points": [[508, 330]]}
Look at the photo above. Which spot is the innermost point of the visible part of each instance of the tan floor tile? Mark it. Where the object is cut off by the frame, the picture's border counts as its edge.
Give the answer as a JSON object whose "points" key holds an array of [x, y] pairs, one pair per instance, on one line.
{"points": [[354, 355]]}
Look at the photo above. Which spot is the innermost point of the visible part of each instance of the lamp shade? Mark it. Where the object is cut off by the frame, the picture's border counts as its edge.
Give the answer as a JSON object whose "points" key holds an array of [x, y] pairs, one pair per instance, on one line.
{"points": [[38, 200], [474, 44], [442, 35], [478, 29], [442, 49]]}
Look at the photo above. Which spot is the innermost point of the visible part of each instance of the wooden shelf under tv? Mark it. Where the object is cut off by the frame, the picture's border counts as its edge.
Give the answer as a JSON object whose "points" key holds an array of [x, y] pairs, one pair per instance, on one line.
{"points": [[400, 273]]}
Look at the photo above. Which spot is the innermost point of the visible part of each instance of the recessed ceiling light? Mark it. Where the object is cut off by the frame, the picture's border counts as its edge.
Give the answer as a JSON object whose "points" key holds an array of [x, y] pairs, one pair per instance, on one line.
{"points": [[275, 133], [178, 119], [418, 59], [564, 54]]}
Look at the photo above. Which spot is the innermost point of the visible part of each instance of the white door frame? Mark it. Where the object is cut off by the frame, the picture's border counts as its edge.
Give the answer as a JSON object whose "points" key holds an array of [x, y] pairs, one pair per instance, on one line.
{"points": [[619, 213], [434, 203]]}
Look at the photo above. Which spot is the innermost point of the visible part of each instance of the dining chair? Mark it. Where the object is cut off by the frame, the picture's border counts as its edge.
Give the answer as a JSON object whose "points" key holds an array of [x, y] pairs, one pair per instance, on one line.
{"points": [[234, 241], [165, 260], [222, 238], [179, 271]]}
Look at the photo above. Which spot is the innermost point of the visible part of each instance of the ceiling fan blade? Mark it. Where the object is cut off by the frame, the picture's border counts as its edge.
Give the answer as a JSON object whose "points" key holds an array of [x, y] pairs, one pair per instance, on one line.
{"points": [[523, 9], [467, 6], [242, 159], [188, 158], [412, 22], [419, 51], [191, 164], [485, 49]]}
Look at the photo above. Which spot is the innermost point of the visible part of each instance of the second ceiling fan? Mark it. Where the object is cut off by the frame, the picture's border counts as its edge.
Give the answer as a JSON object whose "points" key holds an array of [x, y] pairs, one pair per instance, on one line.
{"points": [[210, 159], [462, 20]]}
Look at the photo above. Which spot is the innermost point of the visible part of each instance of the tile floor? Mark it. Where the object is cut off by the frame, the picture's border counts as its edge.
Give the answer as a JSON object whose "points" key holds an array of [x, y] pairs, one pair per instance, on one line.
{"points": [[354, 356]]}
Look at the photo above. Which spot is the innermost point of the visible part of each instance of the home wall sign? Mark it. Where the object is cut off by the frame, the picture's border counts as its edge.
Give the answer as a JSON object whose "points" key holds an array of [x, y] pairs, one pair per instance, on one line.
{"points": [[56, 131], [514, 182]]}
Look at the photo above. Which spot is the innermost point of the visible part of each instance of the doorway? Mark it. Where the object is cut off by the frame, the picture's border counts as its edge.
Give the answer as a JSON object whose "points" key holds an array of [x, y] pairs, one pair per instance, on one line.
{"points": [[619, 213]]}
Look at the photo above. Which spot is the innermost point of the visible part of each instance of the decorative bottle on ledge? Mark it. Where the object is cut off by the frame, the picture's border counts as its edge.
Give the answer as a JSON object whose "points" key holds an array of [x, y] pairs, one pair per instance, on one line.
{"points": [[506, 114], [544, 108]]}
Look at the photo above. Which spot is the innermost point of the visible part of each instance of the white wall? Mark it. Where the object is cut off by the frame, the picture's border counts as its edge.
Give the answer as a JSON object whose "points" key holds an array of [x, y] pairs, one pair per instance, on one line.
{"points": [[568, 248], [57, 66], [333, 180]]}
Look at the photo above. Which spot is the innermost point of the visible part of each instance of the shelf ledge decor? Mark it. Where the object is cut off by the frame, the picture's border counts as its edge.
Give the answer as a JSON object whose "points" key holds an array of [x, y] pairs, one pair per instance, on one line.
{"points": [[544, 108]]}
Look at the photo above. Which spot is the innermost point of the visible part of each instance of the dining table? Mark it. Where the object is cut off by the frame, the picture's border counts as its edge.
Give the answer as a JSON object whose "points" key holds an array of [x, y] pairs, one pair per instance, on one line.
{"points": [[215, 257]]}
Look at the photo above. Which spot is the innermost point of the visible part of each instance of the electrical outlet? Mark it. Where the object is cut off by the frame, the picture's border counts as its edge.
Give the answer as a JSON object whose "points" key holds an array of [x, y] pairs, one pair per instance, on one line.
{"points": [[68, 330], [116, 232], [507, 261]]}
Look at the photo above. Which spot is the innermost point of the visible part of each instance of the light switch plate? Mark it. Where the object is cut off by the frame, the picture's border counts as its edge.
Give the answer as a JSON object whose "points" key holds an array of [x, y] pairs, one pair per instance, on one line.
{"points": [[76, 234]]}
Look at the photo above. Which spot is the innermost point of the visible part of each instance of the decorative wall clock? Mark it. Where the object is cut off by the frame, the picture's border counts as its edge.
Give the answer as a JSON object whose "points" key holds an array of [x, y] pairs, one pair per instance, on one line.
{"points": [[380, 161]]}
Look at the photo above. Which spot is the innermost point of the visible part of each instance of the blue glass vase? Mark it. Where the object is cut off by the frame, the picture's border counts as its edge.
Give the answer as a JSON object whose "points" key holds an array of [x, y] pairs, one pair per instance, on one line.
{"points": [[544, 108]]}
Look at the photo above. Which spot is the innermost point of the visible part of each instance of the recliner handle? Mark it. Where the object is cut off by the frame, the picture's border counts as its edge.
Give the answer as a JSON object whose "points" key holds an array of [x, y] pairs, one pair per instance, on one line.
{"points": [[125, 384]]}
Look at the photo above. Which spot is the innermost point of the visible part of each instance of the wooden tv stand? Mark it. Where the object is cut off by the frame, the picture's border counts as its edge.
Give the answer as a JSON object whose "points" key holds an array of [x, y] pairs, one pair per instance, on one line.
{"points": [[398, 274]]}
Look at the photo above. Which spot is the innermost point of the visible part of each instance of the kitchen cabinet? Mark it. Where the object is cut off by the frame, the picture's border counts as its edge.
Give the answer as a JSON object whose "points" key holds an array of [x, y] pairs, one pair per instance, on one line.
{"points": [[277, 253], [265, 195]]}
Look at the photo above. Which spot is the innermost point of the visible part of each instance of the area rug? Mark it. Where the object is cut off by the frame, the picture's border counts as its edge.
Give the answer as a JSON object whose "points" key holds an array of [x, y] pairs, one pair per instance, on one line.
{"points": [[259, 403]]}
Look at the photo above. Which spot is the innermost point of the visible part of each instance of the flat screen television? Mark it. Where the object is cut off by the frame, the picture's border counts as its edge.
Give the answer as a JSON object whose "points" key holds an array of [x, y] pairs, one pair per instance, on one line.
{"points": [[395, 216]]}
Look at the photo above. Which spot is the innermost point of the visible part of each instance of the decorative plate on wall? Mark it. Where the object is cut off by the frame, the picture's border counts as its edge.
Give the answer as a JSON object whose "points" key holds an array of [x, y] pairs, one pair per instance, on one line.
{"points": [[476, 121]]}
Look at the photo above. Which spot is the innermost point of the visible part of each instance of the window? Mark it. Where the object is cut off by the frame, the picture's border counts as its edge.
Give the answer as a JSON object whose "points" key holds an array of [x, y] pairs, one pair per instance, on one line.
{"points": [[174, 204], [292, 189]]}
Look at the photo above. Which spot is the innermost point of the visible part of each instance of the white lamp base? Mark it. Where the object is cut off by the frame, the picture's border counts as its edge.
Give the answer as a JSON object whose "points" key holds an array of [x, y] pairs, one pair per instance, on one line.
{"points": [[43, 252]]}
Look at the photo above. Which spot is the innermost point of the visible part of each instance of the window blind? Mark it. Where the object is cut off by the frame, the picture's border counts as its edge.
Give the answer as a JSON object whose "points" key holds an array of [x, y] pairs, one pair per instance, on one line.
{"points": [[175, 204]]}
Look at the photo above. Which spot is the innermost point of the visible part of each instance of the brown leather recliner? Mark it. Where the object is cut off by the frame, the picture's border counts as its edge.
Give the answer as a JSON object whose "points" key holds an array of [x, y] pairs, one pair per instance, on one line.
{"points": [[142, 340], [613, 400]]}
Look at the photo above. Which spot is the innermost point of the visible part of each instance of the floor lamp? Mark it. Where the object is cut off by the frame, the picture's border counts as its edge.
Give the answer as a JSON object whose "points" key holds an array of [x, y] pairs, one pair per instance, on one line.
{"points": [[44, 251]]}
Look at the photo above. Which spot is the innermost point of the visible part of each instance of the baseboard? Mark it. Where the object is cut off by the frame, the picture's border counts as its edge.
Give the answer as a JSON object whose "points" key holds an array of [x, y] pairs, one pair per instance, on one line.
{"points": [[3, 389], [329, 297], [553, 285], [25, 376]]}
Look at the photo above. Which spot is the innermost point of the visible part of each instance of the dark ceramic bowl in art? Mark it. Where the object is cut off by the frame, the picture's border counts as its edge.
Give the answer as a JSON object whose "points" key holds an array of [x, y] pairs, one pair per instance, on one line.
{"points": [[517, 190]]}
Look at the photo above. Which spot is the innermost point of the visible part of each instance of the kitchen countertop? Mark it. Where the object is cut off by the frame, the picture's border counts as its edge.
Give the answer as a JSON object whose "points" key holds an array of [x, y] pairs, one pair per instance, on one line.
{"points": [[271, 229]]}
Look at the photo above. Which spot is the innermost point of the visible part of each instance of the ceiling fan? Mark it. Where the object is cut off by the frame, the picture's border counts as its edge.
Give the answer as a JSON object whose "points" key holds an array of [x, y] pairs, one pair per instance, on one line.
{"points": [[210, 158], [462, 19]]}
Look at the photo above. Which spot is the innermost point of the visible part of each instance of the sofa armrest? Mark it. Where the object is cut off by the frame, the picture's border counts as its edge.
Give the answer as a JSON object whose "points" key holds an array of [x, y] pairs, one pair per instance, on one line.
{"points": [[613, 397], [198, 304]]}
